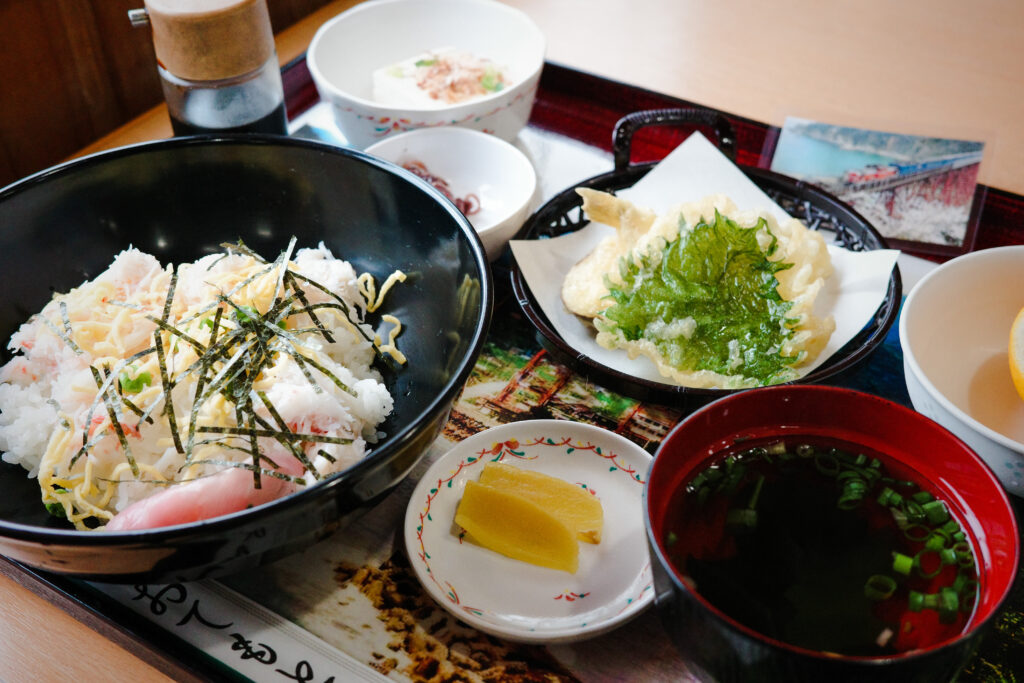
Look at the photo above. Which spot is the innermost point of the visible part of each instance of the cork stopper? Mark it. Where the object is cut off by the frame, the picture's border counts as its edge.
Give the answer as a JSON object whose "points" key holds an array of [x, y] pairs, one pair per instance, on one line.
{"points": [[207, 40]]}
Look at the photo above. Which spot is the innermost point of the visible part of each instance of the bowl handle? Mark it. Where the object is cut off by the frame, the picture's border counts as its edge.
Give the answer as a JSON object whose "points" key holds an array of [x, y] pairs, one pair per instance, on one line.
{"points": [[622, 136]]}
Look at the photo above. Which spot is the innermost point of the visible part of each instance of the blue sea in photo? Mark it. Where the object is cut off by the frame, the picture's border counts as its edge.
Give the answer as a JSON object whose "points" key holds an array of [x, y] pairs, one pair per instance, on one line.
{"points": [[803, 157]]}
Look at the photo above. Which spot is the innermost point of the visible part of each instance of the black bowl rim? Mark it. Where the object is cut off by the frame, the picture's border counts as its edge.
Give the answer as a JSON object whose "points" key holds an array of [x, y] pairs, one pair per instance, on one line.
{"points": [[72, 537], [774, 643], [644, 389]]}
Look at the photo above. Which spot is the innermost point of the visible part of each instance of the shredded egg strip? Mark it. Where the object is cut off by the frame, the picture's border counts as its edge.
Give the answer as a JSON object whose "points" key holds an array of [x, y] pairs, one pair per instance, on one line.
{"points": [[87, 492]]}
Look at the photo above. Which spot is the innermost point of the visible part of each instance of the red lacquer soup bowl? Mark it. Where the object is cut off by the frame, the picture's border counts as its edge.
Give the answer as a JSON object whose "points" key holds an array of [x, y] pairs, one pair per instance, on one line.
{"points": [[785, 522]]}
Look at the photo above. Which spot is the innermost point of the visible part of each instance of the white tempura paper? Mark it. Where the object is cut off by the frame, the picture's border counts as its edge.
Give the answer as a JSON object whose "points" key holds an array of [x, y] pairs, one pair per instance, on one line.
{"points": [[693, 170]]}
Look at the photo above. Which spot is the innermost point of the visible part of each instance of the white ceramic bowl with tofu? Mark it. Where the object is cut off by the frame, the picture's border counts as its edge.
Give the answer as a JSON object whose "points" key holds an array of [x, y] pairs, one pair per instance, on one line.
{"points": [[361, 62], [493, 178], [954, 332]]}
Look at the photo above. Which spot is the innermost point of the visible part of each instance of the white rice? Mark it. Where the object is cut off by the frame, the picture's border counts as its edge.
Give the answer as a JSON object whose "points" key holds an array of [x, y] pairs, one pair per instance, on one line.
{"points": [[47, 382]]}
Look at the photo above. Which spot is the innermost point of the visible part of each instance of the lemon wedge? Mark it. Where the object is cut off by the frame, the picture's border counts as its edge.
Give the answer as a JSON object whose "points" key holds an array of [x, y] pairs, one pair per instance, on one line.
{"points": [[1017, 352], [517, 527]]}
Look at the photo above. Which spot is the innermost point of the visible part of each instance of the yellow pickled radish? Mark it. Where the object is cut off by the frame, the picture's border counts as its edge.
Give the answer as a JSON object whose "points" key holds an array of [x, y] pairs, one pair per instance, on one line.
{"points": [[517, 527], [570, 503], [1017, 352]]}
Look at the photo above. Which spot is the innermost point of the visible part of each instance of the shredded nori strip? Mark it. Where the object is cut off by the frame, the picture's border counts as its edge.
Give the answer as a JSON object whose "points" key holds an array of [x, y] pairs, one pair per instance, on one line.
{"points": [[243, 431], [341, 304], [113, 412], [330, 375], [245, 466], [301, 295], [168, 387], [229, 365], [241, 248], [283, 435], [66, 319]]}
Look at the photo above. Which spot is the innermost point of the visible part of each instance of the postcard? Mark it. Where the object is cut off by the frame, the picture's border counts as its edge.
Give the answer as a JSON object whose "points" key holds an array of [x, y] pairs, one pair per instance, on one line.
{"points": [[918, 192]]}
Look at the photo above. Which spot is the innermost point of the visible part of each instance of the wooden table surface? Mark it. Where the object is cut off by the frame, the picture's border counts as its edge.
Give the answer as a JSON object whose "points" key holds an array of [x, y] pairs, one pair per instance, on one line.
{"points": [[928, 67]]}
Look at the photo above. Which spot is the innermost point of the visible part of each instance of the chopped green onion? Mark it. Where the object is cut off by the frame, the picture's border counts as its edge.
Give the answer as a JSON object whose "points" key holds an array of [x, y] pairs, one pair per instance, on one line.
{"points": [[951, 527], [854, 489], [948, 556], [702, 495], [827, 464], [965, 556], [935, 512], [935, 540], [946, 602], [968, 591], [491, 81], [889, 498], [133, 385], [869, 474], [57, 510], [899, 518], [917, 532], [879, 587], [902, 564], [245, 314], [915, 513], [949, 604], [741, 518]]}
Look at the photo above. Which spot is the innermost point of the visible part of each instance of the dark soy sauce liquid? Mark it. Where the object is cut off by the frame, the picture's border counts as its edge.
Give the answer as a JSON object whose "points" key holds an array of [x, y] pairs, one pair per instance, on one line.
{"points": [[799, 575], [274, 123]]}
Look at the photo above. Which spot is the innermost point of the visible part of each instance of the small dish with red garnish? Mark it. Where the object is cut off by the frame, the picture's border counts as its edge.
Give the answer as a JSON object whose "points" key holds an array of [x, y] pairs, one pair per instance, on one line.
{"points": [[489, 180]]}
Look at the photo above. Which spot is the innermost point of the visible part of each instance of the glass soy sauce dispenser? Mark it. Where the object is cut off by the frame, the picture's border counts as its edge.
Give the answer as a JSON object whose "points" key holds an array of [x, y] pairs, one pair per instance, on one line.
{"points": [[217, 64]]}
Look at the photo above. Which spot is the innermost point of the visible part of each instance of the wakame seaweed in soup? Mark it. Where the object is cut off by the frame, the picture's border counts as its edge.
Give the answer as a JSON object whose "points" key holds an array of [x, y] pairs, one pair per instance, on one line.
{"points": [[824, 545]]}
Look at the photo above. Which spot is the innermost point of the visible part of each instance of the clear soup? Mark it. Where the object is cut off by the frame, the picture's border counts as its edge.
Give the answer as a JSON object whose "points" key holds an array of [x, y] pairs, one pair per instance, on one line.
{"points": [[824, 545]]}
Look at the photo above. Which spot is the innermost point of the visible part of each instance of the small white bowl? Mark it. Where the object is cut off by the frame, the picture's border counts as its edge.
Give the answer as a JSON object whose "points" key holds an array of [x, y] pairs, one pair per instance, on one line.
{"points": [[348, 49], [470, 162], [954, 331]]}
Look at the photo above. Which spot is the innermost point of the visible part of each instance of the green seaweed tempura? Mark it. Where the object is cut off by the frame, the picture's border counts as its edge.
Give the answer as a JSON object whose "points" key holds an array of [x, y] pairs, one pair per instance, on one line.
{"points": [[710, 302]]}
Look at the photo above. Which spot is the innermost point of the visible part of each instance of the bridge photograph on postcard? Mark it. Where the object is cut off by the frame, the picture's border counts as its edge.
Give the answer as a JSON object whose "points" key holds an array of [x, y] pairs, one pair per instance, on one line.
{"points": [[912, 188]]}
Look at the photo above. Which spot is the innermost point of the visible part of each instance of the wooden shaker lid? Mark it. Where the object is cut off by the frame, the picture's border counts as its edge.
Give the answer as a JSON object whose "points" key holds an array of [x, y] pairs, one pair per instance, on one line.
{"points": [[206, 40]]}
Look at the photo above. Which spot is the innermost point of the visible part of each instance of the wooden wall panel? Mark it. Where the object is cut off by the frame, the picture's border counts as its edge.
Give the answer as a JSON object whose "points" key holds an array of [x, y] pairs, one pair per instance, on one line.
{"points": [[73, 70]]}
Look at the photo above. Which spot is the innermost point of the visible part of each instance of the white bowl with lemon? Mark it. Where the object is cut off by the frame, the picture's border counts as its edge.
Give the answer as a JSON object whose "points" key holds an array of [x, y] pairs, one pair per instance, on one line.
{"points": [[962, 335]]}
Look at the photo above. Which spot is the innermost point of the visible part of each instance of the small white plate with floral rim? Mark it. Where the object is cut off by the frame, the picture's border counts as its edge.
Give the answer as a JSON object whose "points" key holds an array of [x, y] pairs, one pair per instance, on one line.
{"points": [[517, 600]]}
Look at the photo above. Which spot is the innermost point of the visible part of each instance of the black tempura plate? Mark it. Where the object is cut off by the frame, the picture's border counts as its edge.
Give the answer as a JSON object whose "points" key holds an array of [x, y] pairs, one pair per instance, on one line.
{"points": [[818, 209], [179, 199]]}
